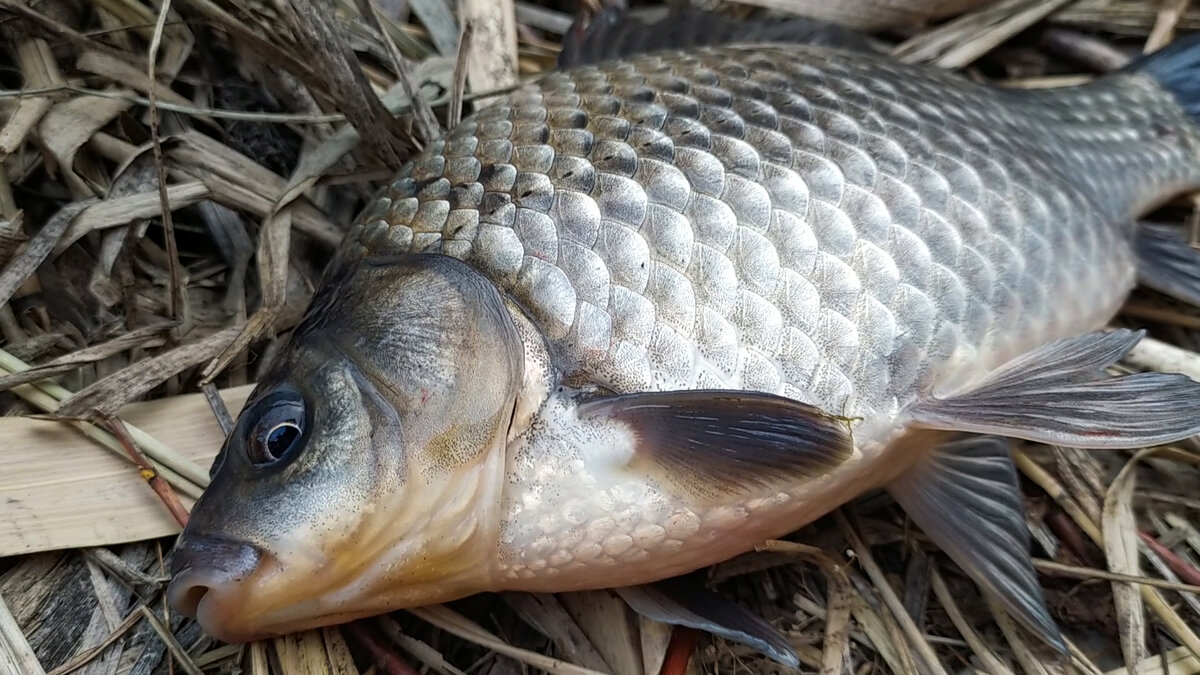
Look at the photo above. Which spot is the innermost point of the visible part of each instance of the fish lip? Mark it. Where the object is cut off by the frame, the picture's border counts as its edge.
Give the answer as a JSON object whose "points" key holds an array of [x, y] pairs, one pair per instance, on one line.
{"points": [[209, 578], [211, 607]]}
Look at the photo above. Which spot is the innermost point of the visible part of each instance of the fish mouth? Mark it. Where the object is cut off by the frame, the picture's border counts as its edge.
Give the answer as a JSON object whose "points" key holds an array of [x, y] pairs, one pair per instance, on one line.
{"points": [[209, 583], [241, 593], [215, 608]]}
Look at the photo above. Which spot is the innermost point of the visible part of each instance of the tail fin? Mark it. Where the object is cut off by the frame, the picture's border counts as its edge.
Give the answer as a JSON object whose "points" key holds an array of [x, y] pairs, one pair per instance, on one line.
{"points": [[1177, 69]]}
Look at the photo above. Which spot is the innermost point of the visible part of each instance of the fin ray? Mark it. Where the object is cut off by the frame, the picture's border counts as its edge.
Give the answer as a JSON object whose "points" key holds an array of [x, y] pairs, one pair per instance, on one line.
{"points": [[727, 439], [680, 603], [1060, 394], [966, 498], [1167, 263], [1176, 67]]}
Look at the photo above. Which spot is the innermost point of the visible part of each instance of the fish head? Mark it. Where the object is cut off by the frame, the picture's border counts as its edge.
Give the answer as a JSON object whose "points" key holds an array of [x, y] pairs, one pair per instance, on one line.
{"points": [[365, 472]]}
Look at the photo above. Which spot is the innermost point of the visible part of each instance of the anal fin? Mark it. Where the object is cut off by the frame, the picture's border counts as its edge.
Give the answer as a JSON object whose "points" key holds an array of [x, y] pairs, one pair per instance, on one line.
{"points": [[679, 602], [1060, 394], [1167, 262], [965, 496]]}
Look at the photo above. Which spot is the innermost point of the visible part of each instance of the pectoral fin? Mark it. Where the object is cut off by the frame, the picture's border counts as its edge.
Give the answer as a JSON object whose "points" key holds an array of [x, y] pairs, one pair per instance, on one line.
{"points": [[1060, 394], [680, 603], [965, 496], [730, 439]]}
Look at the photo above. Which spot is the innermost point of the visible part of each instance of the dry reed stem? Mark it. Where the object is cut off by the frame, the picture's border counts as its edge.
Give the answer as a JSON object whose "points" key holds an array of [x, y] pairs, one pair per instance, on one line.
{"points": [[16, 657], [456, 624], [47, 396], [1051, 568], [1047, 482], [917, 639]]}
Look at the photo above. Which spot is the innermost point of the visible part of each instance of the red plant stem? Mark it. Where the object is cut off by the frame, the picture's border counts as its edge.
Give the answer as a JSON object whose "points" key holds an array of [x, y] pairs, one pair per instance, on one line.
{"points": [[160, 486], [382, 654], [1072, 538], [679, 651], [1187, 573]]}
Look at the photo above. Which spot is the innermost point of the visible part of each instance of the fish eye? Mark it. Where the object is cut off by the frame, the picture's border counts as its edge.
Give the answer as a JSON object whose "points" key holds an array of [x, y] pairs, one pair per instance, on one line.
{"points": [[278, 431], [280, 438]]}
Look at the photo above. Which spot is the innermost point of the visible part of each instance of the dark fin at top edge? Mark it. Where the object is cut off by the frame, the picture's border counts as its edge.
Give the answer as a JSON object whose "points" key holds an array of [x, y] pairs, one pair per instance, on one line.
{"points": [[615, 33], [1177, 68], [1060, 394], [966, 497], [1167, 262], [679, 602], [730, 440]]}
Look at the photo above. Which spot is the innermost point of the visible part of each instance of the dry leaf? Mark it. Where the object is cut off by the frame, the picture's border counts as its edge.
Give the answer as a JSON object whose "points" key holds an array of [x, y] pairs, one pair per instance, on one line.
{"points": [[21, 267], [1121, 549], [68, 125], [960, 42], [123, 210], [609, 624], [273, 246], [871, 14], [243, 184], [345, 79], [456, 624], [86, 355], [492, 55], [104, 397], [544, 612], [439, 21]]}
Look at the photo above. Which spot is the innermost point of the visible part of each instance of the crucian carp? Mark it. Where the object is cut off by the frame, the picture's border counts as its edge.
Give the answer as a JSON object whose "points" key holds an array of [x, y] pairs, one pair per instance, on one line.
{"points": [[639, 316]]}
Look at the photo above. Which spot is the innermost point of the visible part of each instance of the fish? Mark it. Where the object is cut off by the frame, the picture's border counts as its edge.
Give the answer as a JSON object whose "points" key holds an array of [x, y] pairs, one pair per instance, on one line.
{"points": [[873, 15], [639, 316], [856, 15], [616, 32]]}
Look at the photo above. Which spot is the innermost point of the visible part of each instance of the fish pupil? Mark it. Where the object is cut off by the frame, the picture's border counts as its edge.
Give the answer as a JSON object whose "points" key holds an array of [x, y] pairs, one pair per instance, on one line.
{"points": [[280, 438]]}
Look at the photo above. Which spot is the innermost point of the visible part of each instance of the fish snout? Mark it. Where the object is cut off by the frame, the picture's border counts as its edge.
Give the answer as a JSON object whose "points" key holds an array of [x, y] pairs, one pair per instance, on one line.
{"points": [[207, 573]]}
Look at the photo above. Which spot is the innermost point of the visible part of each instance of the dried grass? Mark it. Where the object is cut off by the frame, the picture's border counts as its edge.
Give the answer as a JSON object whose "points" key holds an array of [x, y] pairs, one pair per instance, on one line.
{"points": [[176, 174]]}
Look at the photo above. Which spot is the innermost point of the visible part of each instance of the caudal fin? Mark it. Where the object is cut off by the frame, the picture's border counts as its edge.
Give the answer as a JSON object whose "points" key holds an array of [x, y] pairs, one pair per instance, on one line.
{"points": [[1177, 69]]}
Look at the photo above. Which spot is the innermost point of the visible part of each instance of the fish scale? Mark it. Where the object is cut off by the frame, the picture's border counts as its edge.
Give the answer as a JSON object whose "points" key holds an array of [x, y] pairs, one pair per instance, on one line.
{"points": [[833, 227]]}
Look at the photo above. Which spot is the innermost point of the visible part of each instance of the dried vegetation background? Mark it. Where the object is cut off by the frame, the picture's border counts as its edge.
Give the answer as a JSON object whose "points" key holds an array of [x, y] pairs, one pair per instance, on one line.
{"points": [[175, 174]]}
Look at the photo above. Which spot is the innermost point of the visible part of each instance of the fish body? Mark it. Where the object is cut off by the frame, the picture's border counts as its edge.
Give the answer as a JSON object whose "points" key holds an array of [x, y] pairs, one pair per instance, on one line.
{"points": [[831, 227], [637, 317]]}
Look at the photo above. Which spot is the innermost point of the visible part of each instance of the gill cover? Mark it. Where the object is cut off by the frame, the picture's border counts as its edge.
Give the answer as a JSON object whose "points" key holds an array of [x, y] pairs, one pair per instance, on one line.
{"points": [[364, 473]]}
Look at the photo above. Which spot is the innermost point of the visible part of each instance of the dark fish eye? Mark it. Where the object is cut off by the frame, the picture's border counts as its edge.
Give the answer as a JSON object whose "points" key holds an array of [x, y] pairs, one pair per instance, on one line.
{"points": [[280, 438], [278, 430]]}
